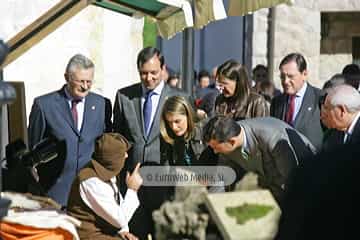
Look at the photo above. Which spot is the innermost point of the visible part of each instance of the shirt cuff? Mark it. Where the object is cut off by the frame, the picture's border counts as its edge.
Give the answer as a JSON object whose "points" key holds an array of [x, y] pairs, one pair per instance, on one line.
{"points": [[131, 194], [124, 229]]}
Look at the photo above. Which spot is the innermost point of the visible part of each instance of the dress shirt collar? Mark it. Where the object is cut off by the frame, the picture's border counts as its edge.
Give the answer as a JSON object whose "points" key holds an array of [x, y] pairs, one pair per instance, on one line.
{"points": [[156, 91], [302, 91], [245, 146], [350, 130]]}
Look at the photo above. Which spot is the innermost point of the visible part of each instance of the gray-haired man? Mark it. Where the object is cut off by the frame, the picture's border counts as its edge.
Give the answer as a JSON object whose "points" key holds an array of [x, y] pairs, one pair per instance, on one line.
{"points": [[341, 111], [74, 114]]}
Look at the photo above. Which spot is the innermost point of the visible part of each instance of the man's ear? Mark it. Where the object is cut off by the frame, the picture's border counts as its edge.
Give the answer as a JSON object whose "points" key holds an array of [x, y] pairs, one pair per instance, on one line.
{"points": [[343, 110], [305, 74], [232, 141]]}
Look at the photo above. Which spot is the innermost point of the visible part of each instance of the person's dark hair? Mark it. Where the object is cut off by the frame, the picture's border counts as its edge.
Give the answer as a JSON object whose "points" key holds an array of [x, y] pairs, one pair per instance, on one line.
{"points": [[147, 53], [335, 80], [352, 74], [259, 67], [351, 69], [234, 71], [221, 129], [267, 90], [203, 73], [297, 58], [173, 76]]}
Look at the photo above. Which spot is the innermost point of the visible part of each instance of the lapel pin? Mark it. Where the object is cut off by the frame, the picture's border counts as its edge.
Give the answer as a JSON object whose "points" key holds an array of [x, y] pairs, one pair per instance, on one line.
{"points": [[92, 107]]}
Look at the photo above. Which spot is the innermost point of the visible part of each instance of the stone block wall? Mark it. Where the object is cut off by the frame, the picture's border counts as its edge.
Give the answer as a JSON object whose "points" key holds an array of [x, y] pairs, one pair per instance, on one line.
{"points": [[298, 28], [260, 38], [336, 44]]}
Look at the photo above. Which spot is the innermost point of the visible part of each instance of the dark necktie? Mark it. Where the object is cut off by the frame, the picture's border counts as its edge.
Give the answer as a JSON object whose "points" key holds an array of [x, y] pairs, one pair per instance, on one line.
{"points": [[74, 112], [147, 109], [291, 109]]}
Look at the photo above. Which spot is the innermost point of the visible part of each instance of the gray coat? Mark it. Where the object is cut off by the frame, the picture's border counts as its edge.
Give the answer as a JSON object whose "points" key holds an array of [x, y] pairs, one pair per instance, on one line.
{"points": [[51, 116], [274, 149]]}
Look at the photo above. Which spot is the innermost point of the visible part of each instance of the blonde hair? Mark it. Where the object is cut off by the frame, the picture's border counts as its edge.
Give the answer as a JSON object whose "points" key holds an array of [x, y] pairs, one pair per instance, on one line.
{"points": [[176, 105]]}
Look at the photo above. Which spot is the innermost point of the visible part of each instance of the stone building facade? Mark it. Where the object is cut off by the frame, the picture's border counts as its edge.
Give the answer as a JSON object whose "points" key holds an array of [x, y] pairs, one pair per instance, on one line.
{"points": [[325, 32]]}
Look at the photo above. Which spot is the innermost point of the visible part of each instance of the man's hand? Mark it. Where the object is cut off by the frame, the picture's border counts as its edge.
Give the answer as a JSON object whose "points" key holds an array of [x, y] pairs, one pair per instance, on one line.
{"points": [[201, 114], [134, 180], [128, 236]]}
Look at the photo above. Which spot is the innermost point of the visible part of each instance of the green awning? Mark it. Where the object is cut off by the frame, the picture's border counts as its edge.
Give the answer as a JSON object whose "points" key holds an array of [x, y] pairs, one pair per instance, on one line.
{"points": [[243, 7], [171, 16]]}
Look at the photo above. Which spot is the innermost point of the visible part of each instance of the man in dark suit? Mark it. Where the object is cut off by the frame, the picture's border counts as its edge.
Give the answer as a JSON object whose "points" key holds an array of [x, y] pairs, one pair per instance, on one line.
{"points": [[341, 111], [298, 105], [137, 111], [322, 201], [73, 114], [266, 146]]}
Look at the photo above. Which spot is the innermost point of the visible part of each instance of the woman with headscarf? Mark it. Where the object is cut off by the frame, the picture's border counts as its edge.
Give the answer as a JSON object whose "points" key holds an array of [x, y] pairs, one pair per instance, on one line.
{"points": [[95, 199]]}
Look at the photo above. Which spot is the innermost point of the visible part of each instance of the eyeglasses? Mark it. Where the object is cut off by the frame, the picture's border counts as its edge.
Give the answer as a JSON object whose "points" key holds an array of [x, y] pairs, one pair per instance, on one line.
{"points": [[283, 76], [82, 82]]}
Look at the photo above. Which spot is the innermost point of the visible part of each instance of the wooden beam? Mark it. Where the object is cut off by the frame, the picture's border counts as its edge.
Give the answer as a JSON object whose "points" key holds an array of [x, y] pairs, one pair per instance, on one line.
{"points": [[42, 27]]}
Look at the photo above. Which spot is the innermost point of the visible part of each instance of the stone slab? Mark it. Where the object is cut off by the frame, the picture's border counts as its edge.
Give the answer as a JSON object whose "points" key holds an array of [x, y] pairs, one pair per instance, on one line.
{"points": [[262, 228]]}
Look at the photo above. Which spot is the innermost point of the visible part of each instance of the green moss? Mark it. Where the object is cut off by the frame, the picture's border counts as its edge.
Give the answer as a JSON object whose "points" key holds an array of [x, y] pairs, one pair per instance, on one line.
{"points": [[149, 33], [247, 211]]}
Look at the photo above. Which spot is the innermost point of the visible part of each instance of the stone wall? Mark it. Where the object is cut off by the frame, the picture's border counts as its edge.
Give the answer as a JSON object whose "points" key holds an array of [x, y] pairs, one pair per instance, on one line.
{"points": [[110, 39], [260, 38], [298, 29], [336, 43]]}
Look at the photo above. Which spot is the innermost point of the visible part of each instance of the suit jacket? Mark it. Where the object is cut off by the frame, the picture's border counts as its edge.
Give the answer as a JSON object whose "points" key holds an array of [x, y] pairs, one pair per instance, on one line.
{"points": [[307, 120], [128, 120], [316, 189], [51, 117], [274, 150], [335, 138]]}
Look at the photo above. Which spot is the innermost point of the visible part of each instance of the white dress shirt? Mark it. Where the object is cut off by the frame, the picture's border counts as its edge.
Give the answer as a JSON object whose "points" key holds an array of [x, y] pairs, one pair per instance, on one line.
{"points": [[299, 96], [99, 196], [352, 126]]}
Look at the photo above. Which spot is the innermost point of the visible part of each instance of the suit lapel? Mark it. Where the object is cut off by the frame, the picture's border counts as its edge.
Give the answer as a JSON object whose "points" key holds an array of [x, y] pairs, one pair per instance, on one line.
{"points": [[305, 107], [355, 136], [138, 110], [90, 110], [281, 108], [64, 109]]}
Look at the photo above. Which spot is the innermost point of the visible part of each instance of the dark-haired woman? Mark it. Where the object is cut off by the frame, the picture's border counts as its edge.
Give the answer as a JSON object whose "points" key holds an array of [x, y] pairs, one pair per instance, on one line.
{"points": [[237, 99]]}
